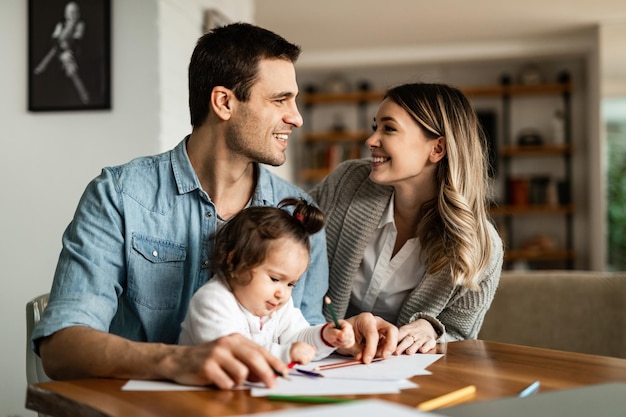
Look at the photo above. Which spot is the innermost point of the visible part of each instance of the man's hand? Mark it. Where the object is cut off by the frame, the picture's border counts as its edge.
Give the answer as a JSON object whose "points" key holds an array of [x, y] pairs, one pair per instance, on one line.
{"points": [[81, 352], [226, 362], [374, 337]]}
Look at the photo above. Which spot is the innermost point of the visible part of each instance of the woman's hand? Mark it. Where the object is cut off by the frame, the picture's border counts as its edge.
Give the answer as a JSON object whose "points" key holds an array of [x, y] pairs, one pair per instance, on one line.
{"points": [[374, 337], [419, 336]]}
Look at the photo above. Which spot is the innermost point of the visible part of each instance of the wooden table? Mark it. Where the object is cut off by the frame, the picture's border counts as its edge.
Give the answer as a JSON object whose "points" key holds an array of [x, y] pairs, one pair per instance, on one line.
{"points": [[497, 370]]}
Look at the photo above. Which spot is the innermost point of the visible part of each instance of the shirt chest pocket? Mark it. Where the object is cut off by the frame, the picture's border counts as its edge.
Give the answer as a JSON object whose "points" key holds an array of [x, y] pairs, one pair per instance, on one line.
{"points": [[156, 272]]}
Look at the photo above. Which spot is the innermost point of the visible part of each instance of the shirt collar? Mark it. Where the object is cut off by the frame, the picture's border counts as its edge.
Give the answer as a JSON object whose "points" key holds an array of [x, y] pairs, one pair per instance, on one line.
{"points": [[387, 216], [264, 192], [184, 174], [187, 180]]}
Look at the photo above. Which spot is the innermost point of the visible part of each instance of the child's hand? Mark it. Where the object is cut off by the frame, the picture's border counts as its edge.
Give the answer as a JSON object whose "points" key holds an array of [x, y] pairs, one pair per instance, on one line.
{"points": [[301, 352], [340, 338]]}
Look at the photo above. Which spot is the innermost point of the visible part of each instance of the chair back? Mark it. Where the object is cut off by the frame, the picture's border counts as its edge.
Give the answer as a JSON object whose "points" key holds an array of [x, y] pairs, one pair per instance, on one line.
{"points": [[34, 368], [577, 311]]}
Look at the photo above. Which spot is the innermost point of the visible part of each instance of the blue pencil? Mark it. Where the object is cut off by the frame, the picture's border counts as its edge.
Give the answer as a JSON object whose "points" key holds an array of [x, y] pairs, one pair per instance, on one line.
{"points": [[310, 373], [529, 390]]}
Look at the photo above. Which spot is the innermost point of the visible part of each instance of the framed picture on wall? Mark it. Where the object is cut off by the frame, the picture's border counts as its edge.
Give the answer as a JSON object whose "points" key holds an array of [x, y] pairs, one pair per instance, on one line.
{"points": [[69, 55]]}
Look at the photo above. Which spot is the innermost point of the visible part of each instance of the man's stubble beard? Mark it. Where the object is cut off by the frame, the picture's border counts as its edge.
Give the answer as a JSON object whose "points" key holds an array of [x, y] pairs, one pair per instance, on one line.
{"points": [[241, 141]]}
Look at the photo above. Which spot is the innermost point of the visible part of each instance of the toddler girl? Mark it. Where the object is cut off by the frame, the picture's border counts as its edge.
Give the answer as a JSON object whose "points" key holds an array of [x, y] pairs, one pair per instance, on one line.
{"points": [[258, 258]]}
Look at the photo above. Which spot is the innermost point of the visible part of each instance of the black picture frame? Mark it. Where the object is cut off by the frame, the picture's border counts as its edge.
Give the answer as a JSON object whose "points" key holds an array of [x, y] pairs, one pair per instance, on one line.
{"points": [[69, 57]]}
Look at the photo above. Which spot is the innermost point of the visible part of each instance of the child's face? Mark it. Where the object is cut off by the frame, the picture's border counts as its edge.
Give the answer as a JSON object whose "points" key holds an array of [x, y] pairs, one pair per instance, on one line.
{"points": [[273, 280]]}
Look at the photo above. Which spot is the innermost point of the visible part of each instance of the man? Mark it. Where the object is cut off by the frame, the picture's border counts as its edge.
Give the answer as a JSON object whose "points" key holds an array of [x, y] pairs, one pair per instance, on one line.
{"points": [[138, 246]]}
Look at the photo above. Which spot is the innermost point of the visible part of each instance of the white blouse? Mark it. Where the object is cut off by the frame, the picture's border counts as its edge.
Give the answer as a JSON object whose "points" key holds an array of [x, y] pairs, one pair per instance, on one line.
{"points": [[382, 282]]}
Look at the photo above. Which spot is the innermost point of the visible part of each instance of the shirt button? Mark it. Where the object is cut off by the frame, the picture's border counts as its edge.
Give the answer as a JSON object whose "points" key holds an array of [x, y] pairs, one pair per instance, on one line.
{"points": [[205, 264], [155, 253], [208, 214]]}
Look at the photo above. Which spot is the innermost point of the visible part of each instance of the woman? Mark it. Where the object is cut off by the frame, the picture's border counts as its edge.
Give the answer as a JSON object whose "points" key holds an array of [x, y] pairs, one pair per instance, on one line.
{"points": [[408, 234]]}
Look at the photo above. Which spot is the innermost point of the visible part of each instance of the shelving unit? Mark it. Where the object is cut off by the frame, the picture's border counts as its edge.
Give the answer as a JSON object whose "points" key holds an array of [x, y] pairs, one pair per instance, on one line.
{"points": [[323, 150], [561, 256]]}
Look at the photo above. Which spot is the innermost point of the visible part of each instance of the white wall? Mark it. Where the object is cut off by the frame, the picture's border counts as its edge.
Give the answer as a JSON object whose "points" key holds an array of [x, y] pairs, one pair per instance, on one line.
{"points": [[48, 158], [613, 59]]}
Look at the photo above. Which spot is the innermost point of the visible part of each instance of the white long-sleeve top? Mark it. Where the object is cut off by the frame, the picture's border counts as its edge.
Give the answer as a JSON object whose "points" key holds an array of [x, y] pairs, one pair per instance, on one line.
{"points": [[215, 312]]}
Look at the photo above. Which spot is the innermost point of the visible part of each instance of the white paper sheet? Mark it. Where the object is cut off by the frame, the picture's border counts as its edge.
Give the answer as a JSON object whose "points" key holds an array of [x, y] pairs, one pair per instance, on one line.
{"points": [[382, 377], [361, 408], [394, 368], [388, 376], [302, 385], [136, 385], [296, 385]]}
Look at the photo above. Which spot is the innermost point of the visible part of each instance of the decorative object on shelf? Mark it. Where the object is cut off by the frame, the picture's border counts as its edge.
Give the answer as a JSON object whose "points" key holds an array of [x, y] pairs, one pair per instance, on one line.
{"points": [[552, 193], [558, 127], [529, 137], [364, 85], [538, 190], [337, 83], [519, 191], [564, 77], [530, 75], [339, 125], [563, 191], [541, 242]]}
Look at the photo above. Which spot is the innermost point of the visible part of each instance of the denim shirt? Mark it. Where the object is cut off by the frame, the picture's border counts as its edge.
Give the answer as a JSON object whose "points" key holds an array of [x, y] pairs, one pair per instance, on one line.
{"points": [[138, 248]]}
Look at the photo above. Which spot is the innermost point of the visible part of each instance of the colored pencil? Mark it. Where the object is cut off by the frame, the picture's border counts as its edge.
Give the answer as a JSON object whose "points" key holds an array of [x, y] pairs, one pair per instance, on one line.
{"points": [[278, 373], [309, 373], [448, 399], [332, 312], [292, 364], [529, 390], [307, 399], [345, 363]]}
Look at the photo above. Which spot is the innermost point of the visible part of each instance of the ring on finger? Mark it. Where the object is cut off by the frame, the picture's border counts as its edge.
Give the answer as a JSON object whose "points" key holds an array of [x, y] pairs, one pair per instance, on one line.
{"points": [[413, 340]]}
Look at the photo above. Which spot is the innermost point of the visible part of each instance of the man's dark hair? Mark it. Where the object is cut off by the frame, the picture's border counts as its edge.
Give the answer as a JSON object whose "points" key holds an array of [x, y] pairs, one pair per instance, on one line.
{"points": [[228, 56]]}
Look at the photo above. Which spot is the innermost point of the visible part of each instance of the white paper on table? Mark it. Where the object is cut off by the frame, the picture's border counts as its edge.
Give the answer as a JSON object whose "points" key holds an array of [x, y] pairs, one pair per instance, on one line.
{"points": [[361, 408], [394, 368], [136, 385], [141, 385], [304, 385], [388, 376]]}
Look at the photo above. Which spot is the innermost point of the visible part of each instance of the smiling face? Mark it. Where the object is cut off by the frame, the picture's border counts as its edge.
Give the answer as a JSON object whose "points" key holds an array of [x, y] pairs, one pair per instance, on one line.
{"points": [[401, 152], [260, 127], [273, 281]]}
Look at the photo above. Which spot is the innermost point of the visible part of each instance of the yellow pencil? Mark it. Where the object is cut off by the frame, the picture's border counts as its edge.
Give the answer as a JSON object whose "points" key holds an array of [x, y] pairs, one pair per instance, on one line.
{"points": [[448, 399]]}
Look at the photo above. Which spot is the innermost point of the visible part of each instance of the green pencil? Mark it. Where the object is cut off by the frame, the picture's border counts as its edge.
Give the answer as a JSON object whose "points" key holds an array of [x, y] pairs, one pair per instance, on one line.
{"points": [[307, 399], [332, 312]]}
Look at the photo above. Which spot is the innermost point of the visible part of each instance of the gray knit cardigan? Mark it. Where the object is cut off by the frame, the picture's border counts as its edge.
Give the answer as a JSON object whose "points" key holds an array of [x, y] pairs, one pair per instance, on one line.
{"points": [[354, 205]]}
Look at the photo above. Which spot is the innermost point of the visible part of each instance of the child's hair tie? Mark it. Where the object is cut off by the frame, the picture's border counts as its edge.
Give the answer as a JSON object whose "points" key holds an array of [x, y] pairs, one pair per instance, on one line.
{"points": [[299, 217]]}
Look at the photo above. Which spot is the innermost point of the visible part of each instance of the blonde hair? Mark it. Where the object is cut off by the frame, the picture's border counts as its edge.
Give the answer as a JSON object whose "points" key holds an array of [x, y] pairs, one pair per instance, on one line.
{"points": [[453, 227]]}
